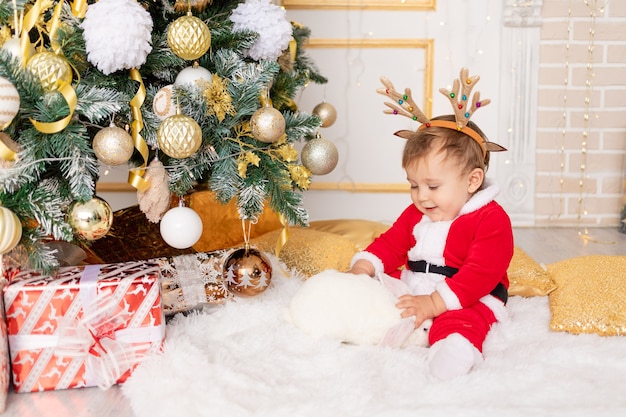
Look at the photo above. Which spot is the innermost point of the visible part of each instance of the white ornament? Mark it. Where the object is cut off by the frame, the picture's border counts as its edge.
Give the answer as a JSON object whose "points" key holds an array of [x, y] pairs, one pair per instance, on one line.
{"points": [[194, 75], [14, 47], [163, 104], [9, 102], [118, 34], [269, 21], [181, 227]]}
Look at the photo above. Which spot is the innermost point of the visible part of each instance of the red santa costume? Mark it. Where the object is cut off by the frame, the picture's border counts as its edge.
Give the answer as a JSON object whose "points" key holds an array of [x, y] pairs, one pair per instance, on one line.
{"points": [[464, 259]]}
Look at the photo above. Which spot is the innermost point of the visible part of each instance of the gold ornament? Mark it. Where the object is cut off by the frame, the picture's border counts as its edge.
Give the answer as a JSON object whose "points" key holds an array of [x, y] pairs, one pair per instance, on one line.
{"points": [[113, 146], [164, 105], [189, 37], [219, 102], [90, 220], [247, 272], [319, 155], [179, 136], [267, 124], [326, 112], [9, 102], [10, 230], [50, 68]]}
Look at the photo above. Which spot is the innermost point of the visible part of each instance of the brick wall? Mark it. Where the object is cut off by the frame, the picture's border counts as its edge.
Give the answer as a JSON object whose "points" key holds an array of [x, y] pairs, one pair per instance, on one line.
{"points": [[581, 115]]}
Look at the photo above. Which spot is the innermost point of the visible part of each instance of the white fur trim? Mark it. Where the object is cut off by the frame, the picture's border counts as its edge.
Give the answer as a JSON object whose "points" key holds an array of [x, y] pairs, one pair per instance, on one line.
{"points": [[497, 306], [482, 197], [449, 298], [431, 240], [371, 258]]}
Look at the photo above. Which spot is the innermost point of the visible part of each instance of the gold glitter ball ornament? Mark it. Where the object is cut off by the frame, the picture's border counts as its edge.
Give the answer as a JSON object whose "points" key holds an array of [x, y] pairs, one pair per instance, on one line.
{"points": [[189, 37], [10, 230], [179, 136], [113, 146], [90, 220], [326, 112], [267, 124], [247, 272], [50, 68], [320, 156]]}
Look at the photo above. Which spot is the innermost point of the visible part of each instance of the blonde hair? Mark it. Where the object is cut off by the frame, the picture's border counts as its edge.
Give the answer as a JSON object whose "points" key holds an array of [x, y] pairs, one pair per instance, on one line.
{"points": [[457, 145]]}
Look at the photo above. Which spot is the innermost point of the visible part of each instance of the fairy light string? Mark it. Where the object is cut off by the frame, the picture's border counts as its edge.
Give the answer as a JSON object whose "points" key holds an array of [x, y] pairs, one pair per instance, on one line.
{"points": [[581, 210], [566, 70]]}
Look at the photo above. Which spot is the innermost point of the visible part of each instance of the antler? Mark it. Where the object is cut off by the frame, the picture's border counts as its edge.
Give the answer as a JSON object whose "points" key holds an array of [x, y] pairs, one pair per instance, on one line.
{"points": [[461, 90], [404, 104]]}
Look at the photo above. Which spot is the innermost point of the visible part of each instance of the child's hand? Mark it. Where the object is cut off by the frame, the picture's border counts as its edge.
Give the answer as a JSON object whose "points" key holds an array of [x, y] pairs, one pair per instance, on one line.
{"points": [[362, 267], [423, 307]]}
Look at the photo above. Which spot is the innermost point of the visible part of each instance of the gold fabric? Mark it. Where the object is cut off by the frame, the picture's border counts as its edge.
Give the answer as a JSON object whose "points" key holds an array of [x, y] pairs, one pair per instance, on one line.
{"points": [[309, 251], [221, 225], [360, 232], [590, 296], [527, 278]]}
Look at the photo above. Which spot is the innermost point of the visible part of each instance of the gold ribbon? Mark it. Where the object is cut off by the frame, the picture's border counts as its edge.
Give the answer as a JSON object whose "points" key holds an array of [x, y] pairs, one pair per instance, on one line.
{"points": [[135, 177], [283, 237], [7, 153], [79, 8], [69, 95], [53, 26], [30, 19]]}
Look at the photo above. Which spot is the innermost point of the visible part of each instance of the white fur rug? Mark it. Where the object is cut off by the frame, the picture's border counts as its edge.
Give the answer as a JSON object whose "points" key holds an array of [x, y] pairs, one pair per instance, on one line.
{"points": [[244, 359]]}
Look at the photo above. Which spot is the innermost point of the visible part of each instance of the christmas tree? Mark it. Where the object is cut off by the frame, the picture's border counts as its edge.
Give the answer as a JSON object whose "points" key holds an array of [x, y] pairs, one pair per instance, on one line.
{"points": [[184, 92]]}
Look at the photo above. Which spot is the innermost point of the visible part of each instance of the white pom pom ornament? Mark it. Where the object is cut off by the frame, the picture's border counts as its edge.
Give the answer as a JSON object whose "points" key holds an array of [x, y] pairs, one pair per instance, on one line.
{"points": [[269, 21], [117, 34]]}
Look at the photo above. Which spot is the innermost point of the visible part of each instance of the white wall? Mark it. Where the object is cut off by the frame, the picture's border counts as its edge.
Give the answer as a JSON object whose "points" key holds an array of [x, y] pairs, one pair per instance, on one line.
{"points": [[465, 34]]}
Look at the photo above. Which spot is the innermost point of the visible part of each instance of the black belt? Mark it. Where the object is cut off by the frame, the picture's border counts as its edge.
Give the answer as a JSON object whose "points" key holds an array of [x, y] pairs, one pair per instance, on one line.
{"points": [[423, 266], [500, 292]]}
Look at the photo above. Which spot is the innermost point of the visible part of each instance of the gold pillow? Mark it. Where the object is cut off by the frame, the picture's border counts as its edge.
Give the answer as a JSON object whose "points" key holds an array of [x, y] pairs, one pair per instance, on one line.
{"points": [[590, 296], [526, 277], [221, 224], [360, 232], [309, 251]]}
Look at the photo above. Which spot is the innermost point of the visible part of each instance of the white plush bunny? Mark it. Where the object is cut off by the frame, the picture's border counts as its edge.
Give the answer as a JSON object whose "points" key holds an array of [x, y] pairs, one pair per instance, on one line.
{"points": [[355, 309]]}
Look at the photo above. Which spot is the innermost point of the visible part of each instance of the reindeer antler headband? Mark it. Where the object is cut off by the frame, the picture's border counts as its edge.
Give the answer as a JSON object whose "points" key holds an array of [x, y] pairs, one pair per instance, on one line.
{"points": [[459, 98]]}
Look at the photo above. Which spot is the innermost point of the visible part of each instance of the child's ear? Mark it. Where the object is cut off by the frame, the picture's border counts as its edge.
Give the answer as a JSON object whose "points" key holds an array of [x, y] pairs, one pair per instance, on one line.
{"points": [[476, 178]]}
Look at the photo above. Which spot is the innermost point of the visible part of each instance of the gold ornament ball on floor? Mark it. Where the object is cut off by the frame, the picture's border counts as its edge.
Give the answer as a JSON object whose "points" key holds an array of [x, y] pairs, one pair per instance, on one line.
{"points": [[113, 146], [326, 112], [320, 156], [9, 102], [10, 230], [189, 37], [247, 272], [267, 124], [92, 219], [179, 136], [50, 68]]}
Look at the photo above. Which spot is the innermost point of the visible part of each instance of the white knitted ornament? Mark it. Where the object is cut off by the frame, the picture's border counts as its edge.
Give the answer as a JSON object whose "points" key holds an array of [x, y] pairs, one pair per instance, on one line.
{"points": [[269, 21], [117, 34]]}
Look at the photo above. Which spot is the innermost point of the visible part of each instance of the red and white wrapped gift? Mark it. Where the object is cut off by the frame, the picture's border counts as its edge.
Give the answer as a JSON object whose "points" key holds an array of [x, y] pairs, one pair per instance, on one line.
{"points": [[83, 326]]}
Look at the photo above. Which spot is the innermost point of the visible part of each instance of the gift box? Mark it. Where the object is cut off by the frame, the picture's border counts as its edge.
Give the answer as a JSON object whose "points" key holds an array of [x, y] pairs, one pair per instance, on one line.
{"points": [[83, 326], [192, 281]]}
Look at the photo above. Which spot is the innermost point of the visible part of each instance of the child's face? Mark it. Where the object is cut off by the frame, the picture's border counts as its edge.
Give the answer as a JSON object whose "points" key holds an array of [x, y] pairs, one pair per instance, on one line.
{"points": [[439, 189]]}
